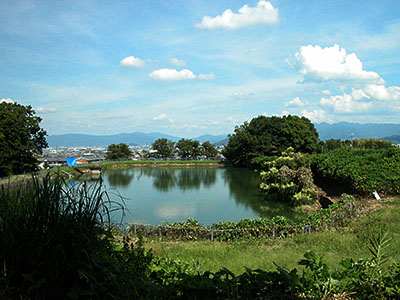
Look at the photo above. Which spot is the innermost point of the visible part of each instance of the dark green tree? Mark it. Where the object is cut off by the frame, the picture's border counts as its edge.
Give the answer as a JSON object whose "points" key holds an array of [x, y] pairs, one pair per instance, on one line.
{"points": [[118, 151], [188, 148], [165, 148], [209, 150], [270, 136], [20, 138]]}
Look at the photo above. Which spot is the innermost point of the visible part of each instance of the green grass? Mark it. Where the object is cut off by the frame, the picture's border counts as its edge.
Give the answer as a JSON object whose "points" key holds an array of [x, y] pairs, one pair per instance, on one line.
{"points": [[333, 245]]}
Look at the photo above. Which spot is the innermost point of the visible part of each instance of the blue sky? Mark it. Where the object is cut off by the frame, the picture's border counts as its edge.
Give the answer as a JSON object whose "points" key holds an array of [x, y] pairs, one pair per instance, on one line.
{"points": [[188, 67]]}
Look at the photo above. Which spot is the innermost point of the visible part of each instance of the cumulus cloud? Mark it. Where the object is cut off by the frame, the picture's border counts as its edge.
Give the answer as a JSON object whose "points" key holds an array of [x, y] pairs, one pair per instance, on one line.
{"points": [[46, 110], [210, 76], [346, 103], [285, 113], [7, 100], [332, 64], [295, 102], [263, 13], [242, 96], [160, 117], [381, 92], [173, 74], [316, 116], [326, 92], [360, 100], [132, 62], [177, 62]]}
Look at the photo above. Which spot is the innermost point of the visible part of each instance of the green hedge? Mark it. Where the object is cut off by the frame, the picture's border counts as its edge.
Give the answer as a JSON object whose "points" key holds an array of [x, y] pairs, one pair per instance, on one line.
{"points": [[364, 170]]}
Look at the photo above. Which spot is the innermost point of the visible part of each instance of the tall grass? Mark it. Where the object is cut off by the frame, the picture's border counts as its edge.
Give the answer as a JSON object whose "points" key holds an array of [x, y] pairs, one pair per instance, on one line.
{"points": [[56, 241]]}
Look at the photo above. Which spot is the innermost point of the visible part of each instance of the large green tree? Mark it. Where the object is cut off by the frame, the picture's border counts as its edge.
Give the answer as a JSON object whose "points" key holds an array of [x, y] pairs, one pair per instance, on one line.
{"points": [[188, 148], [21, 137], [118, 151], [269, 136], [165, 148], [209, 150]]}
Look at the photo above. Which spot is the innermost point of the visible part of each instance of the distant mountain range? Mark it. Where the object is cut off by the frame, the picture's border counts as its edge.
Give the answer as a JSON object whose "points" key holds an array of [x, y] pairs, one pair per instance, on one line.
{"points": [[135, 138], [342, 130]]}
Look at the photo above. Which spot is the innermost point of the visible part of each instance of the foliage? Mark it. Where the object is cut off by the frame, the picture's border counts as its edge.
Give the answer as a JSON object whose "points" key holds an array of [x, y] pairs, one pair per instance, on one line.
{"points": [[333, 144], [188, 148], [362, 170], [118, 151], [270, 136], [20, 139], [165, 148], [372, 144], [289, 178], [56, 241], [335, 215], [209, 150]]}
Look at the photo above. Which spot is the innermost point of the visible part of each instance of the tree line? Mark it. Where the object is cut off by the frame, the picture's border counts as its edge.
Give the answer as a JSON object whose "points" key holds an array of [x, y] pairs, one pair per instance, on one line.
{"points": [[164, 149], [22, 140]]}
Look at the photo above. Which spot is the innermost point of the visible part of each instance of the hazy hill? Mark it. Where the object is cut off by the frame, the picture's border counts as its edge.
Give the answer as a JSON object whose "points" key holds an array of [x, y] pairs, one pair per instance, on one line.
{"points": [[393, 138], [343, 130], [211, 138], [135, 138]]}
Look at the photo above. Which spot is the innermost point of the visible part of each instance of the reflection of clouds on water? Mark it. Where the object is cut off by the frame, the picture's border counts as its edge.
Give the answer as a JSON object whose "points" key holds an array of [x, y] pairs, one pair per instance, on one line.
{"points": [[176, 210]]}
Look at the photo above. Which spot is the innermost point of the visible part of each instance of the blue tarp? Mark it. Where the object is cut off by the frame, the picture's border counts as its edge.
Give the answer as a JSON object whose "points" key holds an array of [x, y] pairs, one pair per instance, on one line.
{"points": [[71, 161]]}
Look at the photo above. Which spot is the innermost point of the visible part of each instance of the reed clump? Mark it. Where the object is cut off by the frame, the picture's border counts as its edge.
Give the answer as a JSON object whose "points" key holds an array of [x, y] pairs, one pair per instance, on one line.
{"points": [[56, 242]]}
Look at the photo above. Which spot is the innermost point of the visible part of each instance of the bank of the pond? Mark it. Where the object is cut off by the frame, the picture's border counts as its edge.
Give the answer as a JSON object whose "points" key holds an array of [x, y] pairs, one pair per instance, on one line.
{"points": [[126, 164], [335, 244]]}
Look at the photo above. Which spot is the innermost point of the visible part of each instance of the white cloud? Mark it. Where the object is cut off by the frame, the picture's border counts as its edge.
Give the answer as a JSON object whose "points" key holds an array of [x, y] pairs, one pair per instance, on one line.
{"points": [[295, 102], [332, 63], [46, 110], [380, 92], [243, 96], [160, 117], [285, 113], [326, 92], [132, 62], [7, 100], [210, 76], [317, 115], [177, 62], [346, 103], [173, 74], [263, 13]]}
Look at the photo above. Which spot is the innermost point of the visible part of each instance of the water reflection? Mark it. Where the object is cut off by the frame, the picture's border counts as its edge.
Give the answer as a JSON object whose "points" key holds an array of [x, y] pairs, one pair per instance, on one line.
{"points": [[120, 179], [244, 186], [165, 179], [208, 195]]}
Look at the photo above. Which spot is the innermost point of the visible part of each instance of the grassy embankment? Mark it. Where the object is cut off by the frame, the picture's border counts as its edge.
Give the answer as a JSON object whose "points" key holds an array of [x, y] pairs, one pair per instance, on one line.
{"points": [[334, 245], [123, 164]]}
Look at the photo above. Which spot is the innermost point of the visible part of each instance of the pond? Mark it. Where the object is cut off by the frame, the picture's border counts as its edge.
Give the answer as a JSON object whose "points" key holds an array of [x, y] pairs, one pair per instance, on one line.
{"points": [[154, 195]]}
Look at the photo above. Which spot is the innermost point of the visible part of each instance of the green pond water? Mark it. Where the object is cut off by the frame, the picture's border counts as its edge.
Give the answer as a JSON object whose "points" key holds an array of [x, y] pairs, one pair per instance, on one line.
{"points": [[208, 195]]}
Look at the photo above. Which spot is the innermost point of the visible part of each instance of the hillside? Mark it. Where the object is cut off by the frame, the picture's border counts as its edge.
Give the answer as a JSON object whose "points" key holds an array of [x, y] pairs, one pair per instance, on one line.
{"points": [[343, 130]]}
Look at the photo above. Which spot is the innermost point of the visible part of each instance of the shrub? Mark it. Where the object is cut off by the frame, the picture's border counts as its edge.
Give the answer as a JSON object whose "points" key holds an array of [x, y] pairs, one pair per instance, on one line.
{"points": [[56, 241], [289, 178], [364, 170]]}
